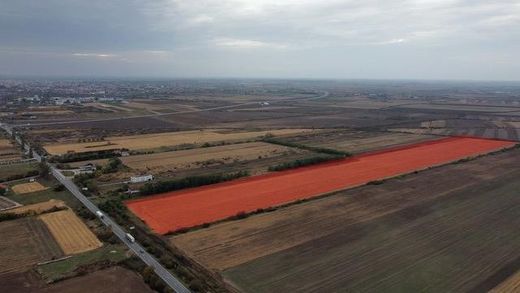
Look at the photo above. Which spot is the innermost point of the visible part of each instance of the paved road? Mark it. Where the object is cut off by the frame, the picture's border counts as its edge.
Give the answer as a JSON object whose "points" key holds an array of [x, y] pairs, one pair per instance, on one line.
{"points": [[148, 259], [322, 95]]}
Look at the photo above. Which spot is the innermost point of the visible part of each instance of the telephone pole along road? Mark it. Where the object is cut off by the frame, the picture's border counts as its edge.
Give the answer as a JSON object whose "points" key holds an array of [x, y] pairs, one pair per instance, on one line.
{"points": [[148, 259]]}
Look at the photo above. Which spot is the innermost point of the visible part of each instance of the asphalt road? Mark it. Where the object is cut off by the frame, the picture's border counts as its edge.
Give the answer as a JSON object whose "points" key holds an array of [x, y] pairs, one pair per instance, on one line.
{"points": [[148, 259]]}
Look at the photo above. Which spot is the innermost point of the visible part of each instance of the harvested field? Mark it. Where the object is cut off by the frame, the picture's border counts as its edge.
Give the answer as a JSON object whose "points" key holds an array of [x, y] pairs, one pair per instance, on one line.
{"points": [[8, 152], [70, 232], [215, 202], [111, 280], [38, 208], [149, 141], [447, 229], [358, 141], [6, 204], [25, 242], [28, 187], [232, 243], [511, 284], [194, 158]]}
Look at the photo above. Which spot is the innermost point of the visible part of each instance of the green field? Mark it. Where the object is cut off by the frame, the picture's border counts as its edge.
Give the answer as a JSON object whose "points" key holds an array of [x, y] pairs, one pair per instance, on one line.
{"points": [[65, 268]]}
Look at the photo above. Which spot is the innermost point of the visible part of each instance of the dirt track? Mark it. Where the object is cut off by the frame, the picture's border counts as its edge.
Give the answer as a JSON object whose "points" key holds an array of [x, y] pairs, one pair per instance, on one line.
{"points": [[210, 203]]}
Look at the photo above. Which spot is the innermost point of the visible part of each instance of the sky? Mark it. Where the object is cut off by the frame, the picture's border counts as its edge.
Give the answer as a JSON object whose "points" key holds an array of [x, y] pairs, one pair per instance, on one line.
{"points": [[397, 39]]}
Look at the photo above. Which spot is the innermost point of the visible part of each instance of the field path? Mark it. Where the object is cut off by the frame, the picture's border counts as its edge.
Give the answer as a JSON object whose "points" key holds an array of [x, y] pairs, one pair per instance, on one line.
{"points": [[176, 210]]}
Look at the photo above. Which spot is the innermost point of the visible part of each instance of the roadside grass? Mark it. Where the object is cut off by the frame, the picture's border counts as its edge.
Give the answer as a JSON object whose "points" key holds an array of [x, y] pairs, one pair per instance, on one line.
{"points": [[67, 268]]}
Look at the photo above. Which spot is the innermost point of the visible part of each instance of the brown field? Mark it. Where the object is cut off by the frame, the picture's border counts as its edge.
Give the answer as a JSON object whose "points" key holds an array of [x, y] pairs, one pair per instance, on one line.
{"points": [[8, 151], [38, 208], [108, 107], [28, 187], [23, 243], [6, 204], [459, 107], [511, 284], [5, 143], [148, 141], [358, 141], [111, 280], [70, 232], [408, 234], [201, 157]]}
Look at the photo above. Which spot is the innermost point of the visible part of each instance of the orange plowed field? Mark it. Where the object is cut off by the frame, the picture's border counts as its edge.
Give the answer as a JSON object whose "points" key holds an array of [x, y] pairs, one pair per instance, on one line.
{"points": [[191, 207]]}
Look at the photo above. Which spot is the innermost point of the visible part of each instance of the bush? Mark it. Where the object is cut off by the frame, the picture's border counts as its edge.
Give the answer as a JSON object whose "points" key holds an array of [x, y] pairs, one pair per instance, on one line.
{"points": [[114, 165], [58, 187]]}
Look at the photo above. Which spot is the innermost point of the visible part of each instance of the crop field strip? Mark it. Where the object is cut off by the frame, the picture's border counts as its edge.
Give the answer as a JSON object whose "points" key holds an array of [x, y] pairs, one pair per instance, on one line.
{"points": [[511, 284], [28, 187], [38, 208], [215, 202], [6, 204], [446, 229], [186, 159], [448, 245], [149, 141], [26, 242], [70, 232], [357, 141], [232, 243]]}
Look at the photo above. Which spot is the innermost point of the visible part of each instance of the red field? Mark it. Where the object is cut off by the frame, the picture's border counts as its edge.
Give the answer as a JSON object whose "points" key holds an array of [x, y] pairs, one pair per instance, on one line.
{"points": [[187, 208]]}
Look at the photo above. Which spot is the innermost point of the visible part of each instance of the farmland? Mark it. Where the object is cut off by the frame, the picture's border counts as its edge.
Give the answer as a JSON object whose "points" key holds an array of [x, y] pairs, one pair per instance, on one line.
{"points": [[17, 171], [114, 279], [70, 232], [8, 151], [414, 209], [445, 229], [28, 187], [6, 204], [357, 141], [25, 242], [151, 141], [211, 203], [38, 208], [219, 155], [511, 284]]}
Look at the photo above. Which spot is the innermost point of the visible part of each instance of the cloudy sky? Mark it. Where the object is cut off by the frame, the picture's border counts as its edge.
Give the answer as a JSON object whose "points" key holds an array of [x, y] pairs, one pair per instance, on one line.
{"points": [[412, 39]]}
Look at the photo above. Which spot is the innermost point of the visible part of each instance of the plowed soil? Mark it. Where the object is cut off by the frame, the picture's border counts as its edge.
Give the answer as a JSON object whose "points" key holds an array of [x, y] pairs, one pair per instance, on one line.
{"points": [[176, 210]]}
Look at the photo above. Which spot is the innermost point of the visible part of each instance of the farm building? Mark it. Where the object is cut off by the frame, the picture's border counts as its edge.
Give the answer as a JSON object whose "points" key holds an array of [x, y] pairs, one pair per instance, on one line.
{"points": [[139, 179], [87, 168]]}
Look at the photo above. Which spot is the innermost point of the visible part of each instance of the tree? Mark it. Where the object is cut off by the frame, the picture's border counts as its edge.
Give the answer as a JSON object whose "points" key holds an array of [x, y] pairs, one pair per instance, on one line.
{"points": [[45, 171]]}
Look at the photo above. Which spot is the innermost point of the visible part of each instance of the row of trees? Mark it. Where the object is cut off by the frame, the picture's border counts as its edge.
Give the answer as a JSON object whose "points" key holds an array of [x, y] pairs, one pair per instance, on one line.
{"points": [[76, 157], [308, 148], [187, 182], [300, 163]]}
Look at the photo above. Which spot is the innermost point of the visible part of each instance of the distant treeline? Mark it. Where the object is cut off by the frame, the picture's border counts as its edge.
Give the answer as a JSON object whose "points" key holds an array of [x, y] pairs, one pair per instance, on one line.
{"points": [[193, 181], [300, 163], [309, 148], [77, 157]]}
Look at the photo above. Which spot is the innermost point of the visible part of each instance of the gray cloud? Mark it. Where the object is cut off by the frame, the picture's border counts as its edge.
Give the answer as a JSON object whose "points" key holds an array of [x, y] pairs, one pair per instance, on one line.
{"points": [[440, 39]]}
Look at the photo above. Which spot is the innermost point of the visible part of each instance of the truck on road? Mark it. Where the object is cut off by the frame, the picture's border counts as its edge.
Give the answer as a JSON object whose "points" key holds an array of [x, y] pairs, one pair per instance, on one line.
{"points": [[130, 237]]}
